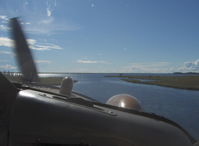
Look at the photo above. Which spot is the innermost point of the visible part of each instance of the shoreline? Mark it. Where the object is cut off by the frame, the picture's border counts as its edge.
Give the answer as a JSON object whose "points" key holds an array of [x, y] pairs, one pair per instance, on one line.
{"points": [[178, 82], [168, 86]]}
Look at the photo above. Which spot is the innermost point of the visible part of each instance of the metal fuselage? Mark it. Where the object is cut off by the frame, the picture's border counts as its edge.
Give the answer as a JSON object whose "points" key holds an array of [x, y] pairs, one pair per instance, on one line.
{"points": [[36, 117]]}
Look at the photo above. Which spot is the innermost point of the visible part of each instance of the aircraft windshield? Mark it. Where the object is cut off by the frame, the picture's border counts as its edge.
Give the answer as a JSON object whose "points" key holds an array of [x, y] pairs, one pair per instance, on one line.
{"points": [[148, 49]]}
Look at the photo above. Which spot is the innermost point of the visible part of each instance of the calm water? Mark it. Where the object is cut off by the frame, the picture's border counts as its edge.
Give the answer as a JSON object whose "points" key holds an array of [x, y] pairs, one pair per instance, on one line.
{"points": [[181, 106]]}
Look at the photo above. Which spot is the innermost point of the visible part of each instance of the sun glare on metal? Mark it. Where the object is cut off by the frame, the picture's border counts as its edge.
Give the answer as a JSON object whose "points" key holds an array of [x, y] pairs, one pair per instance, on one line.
{"points": [[122, 104]]}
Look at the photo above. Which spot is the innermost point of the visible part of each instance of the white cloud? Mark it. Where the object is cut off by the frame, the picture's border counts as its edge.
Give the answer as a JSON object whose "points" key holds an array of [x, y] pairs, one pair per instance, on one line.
{"points": [[84, 61], [6, 52], [49, 13], [191, 66], [43, 61], [3, 17], [50, 7], [45, 47], [7, 66], [4, 20], [162, 67], [49, 27], [31, 41], [47, 21], [7, 42], [4, 27], [26, 23], [150, 67], [48, 24]]}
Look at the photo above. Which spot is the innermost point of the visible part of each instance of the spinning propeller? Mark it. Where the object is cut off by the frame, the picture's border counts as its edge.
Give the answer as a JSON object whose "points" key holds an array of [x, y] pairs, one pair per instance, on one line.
{"points": [[26, 62]]}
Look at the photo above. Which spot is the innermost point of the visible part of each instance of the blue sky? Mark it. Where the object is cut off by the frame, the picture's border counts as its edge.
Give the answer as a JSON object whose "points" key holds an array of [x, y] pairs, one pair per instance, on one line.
{"points": [[156, 36]]}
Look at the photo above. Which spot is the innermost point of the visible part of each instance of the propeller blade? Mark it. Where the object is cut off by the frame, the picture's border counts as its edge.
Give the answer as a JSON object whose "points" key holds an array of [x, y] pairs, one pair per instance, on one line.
{"points": [[23, 53]]}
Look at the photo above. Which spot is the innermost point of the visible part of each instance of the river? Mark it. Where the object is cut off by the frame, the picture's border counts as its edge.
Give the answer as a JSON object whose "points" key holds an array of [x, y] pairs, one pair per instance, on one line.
{"points": [[179, 105]]}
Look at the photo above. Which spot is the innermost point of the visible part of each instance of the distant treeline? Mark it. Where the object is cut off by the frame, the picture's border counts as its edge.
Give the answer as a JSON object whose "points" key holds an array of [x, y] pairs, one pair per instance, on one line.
{"points": [[189, 73]]}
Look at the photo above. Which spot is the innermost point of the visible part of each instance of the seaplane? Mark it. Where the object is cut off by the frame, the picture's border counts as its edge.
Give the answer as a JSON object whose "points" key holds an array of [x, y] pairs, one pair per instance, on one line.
{"points": [[30, 116]]}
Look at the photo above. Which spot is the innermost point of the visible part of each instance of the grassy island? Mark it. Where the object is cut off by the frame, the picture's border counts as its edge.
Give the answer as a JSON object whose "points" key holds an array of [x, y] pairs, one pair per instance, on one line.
{"points": [[190, 82]]}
